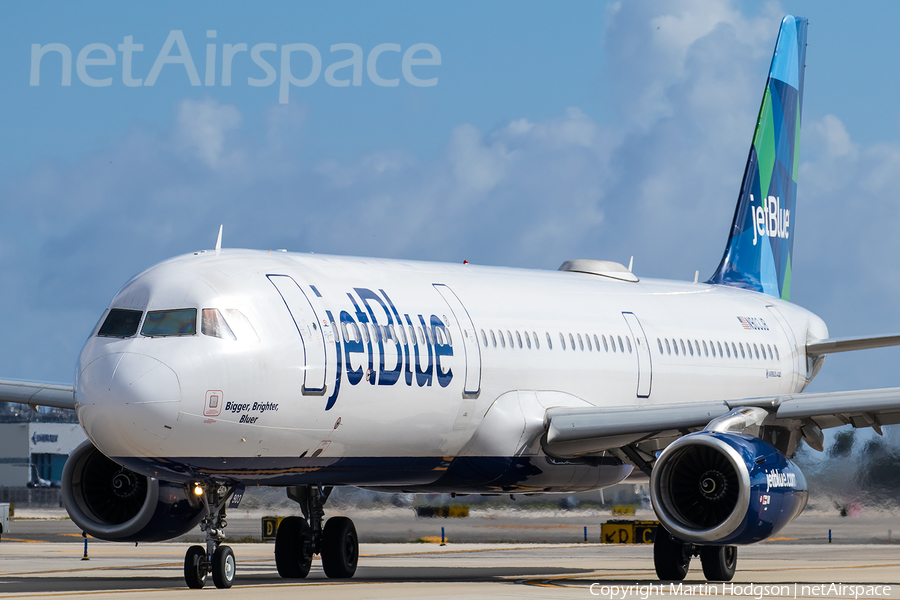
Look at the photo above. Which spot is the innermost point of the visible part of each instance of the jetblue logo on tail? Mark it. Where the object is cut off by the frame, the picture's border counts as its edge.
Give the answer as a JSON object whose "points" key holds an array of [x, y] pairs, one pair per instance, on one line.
{"points": [[770, 219]]}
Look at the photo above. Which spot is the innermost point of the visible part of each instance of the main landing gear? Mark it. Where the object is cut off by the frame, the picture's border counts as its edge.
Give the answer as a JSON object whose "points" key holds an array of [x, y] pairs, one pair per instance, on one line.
{"points": [[299, 538], [217, 559], [672, 557]]}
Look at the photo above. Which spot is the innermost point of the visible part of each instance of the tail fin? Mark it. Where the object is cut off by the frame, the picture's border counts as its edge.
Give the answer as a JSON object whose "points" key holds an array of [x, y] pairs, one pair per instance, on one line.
{"points": [[759, 250]]}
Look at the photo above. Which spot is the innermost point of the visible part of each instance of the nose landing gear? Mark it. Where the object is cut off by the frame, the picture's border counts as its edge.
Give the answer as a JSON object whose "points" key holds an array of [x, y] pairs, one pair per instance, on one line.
{"points": [[299, 538], [216, 558]]}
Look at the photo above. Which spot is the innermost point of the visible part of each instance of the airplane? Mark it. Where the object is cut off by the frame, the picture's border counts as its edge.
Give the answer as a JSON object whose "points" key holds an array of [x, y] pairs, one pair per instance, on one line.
{"points": [[222, 369]]}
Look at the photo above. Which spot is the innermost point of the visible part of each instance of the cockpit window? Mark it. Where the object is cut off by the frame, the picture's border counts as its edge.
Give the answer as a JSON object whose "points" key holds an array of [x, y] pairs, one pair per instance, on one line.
{"points": [[228, 324], [120, 323], [181, 321], [213, 324]]}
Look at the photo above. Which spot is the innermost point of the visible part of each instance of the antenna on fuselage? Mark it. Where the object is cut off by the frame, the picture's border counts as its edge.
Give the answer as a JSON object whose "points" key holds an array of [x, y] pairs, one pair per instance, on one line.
{"points": [[219, 240], [630, 265]]}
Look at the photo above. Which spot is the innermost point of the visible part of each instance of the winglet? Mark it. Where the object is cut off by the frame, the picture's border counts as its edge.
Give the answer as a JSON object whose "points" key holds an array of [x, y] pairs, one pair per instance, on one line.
{"points": [[758, 255], [219, 240]]}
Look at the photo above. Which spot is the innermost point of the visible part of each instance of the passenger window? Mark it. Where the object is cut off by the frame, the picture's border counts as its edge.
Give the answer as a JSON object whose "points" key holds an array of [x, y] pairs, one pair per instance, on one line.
{"points": [[527, 340], [596, 343], [621, 346], [777, 355], [675, 344], [705, 349], [756, 351], [668, 348], [493, 339], [120, 323], [683, 353], [519, 338], [402, 331], [741, 346], [697, 346], [429, 336], [690, 347], [587, 339], [734, 349], [771, 356], [712, 347], [571, 342], [412, 335], [421, 336], [580, 342], [562, 341], [537, 342], [549, 342], [213, 324], [483, 338], [509, 337], [439, 336], [659, 341], [720, 348], [162, 323], [502, 339], [628, 342]]}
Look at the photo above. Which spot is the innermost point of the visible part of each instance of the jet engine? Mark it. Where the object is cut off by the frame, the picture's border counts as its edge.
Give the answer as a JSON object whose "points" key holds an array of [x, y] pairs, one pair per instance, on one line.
{"points": [[719, 488], [112, 503]]}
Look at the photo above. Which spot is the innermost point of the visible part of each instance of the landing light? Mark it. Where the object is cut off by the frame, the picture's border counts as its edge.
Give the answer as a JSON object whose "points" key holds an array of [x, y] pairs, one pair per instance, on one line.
{"points": [[198, 489]]}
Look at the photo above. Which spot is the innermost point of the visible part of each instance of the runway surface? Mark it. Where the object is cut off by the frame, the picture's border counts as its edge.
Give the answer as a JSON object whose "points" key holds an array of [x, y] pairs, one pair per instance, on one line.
{"points": [[41, 558]]}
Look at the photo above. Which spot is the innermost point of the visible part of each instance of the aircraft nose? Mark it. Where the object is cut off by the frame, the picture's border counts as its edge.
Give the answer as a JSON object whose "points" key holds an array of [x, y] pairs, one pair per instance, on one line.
{"points": [[127, 403]]}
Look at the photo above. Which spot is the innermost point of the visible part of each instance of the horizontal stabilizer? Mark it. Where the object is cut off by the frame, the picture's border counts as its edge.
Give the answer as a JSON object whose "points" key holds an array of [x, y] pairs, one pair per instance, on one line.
{"points": [[37, 394], [847, 344]]}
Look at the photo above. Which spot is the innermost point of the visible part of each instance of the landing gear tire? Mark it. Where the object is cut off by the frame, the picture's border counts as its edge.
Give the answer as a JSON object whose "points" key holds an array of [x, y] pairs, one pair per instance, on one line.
{"points": [[223, 567], [194, 569], [340, 548], [719, 562], [293, 553], [671, 556]]}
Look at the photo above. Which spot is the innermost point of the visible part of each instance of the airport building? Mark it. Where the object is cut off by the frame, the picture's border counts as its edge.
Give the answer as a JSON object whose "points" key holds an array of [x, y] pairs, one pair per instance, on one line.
{"points": [[34, 453]]}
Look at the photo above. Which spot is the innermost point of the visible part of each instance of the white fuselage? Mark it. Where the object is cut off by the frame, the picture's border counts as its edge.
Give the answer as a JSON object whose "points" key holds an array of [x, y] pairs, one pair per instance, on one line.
{"points": [[325, 388]]}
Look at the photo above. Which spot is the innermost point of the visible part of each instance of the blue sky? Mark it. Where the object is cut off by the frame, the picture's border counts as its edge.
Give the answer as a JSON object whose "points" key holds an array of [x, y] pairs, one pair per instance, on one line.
{"points": [[554, 131]]}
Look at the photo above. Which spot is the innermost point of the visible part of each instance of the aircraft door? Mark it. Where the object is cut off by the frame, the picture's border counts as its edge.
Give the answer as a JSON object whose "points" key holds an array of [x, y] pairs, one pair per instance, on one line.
{"points": [[793, 358], [312, 334], [645, 373], [469, 339]]}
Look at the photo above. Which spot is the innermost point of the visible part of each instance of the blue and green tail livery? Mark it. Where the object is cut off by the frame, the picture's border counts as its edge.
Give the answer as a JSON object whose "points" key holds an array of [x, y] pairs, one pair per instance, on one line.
{"points": [[758, 254]]}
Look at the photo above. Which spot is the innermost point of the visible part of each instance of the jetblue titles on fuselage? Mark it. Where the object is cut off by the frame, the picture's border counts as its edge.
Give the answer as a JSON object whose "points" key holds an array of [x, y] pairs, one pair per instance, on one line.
{"points": [[408, 348]]}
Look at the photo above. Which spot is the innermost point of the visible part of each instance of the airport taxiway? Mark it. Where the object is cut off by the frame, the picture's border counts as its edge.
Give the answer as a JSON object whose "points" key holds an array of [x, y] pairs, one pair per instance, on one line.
{"points": [[861, 553]]}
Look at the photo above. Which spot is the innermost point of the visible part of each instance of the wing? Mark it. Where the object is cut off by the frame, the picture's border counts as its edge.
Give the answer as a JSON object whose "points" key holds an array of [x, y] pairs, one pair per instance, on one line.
{"points": [[37, 394], [638, 433]]}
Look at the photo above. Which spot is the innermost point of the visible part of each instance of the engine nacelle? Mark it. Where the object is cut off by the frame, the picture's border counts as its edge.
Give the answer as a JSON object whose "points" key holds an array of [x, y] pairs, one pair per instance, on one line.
{"points": [[112, 503], [725, 488]]}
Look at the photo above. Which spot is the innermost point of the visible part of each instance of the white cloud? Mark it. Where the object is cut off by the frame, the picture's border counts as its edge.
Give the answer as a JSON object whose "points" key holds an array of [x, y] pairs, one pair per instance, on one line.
{"points": [[202, 127]]}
